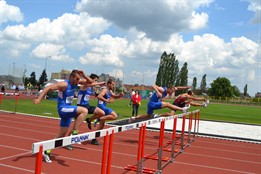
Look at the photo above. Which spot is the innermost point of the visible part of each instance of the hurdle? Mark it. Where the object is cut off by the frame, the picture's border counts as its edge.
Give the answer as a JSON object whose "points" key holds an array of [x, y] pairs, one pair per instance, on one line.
{"points": [[61, 142], [108, 134], [139, 168]]}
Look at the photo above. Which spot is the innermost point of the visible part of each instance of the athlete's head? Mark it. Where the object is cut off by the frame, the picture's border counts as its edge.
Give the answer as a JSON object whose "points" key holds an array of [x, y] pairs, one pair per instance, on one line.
{"points": [[110, 84], [94, 77], [170, 90], [190, 92], [74, 77]]}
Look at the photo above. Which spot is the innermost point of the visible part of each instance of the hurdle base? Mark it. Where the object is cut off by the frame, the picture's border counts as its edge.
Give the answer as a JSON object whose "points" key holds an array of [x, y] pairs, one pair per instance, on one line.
{"points": [[144, 169], [156, 158]]}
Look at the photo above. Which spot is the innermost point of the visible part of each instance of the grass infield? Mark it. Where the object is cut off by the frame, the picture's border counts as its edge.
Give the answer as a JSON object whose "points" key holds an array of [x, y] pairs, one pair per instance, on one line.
{"points": [[214, 111]]}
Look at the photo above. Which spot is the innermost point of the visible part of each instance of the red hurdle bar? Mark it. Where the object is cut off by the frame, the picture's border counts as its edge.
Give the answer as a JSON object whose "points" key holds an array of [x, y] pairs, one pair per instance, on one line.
{"points": [[110, 152], [183, 132], [38, 163], [105, 146], [161, 139], [139, 168]]}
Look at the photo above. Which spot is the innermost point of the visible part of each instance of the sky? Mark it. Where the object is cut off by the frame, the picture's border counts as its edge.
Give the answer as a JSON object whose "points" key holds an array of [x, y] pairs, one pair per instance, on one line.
{"points": [[126, 38]]}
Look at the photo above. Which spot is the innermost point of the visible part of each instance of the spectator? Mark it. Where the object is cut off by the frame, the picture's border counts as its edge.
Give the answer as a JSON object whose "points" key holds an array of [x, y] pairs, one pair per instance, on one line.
{"points": [[136, 99], [3, 87]]}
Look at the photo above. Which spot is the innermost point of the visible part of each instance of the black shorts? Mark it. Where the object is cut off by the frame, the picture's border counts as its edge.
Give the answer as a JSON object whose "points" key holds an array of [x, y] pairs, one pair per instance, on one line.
{"points": [[90, 108], [182, 105]]}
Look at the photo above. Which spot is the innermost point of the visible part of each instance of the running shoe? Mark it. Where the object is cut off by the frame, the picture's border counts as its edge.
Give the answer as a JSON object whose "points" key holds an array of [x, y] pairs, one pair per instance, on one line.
{"points": [[156, 115], [205, 104], [89, 124], [47, 158], [69, 147], [95, 122], [95, 142], [184, 109]]}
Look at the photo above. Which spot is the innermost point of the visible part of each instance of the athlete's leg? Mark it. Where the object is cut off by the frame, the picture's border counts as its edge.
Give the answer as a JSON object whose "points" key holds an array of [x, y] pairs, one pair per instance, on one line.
{"points": [[82, 113], [62, 132], [97, 114], [173, 107], [111, 116]]}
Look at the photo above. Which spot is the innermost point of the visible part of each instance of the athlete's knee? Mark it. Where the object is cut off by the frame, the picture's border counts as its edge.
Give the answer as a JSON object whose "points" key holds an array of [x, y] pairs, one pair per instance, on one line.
{"points": [[114, 116], [99, 112], [83, 110]]}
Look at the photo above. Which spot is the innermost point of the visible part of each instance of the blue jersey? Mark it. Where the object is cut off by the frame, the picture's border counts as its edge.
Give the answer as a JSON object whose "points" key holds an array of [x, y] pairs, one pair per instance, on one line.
{"points": [[106, 96], [155, 98], [84, 96], [66, 97]]}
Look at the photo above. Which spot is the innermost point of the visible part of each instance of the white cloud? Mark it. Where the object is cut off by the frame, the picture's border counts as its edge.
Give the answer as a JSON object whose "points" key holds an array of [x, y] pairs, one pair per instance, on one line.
{"points": [[106, 50], [255, 6], [55, 52], [9, 13], [158, 19], [70, 30], [117, 73]]}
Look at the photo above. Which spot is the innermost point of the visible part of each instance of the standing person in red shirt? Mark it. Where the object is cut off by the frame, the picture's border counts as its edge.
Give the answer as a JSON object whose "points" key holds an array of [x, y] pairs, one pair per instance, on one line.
{"points": [[136, 99]]}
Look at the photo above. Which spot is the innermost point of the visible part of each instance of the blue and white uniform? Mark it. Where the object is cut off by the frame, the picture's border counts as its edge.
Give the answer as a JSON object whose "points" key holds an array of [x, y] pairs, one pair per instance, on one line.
{"points": [[83, 99], [84, 96], [64, 105], [155, 102], [102, 104]]}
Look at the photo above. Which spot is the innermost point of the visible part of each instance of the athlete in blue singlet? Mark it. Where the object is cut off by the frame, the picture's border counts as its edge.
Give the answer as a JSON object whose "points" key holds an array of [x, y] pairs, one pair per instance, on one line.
{"points": [[83, 98], [156, 102], [107, 96], [66, 90]]}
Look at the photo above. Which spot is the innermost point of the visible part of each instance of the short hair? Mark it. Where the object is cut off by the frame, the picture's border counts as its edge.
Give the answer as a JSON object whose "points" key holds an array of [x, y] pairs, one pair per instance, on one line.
{"points": [[190, 92], [110, 81], [74, 72], [170, 87], [93, 76]]}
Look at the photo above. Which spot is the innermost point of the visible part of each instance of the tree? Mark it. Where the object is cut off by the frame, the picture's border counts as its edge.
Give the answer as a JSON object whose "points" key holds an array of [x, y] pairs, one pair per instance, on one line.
{"points": [[194, 83], [221, 87], [168, 70], [203, 83], [182, 79], [43, 78], [236, 92], [32, 79], [245, 90]]}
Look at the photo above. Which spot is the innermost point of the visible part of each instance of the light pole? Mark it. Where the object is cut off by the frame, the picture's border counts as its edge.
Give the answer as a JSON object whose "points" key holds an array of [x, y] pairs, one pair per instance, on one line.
{"points": [[45, 78]]}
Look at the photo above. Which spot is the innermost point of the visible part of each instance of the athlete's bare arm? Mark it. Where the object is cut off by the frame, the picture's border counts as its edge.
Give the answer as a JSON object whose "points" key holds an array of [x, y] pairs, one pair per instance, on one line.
{"points": [[159, 90], [116, 96], [61, 86]]}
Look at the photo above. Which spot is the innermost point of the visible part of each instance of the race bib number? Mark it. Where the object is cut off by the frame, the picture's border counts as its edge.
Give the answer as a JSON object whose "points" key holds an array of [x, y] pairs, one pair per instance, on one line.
{"points": [[69, 99], [87, 97]]}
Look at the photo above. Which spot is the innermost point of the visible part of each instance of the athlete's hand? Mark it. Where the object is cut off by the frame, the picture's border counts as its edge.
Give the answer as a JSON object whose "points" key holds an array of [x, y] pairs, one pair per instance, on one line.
{"points": [[111, 100], [81, 73], [121, 94], [103, 83], [36, 101]]}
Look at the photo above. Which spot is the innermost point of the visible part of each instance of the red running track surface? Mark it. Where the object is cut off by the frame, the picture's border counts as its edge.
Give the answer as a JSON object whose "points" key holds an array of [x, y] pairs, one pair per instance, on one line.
{"points": [[204, 155]]}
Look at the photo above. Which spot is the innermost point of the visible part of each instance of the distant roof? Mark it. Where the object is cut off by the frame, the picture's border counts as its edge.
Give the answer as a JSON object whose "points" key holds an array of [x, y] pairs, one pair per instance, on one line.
{"points": [[137, 87]]}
